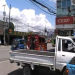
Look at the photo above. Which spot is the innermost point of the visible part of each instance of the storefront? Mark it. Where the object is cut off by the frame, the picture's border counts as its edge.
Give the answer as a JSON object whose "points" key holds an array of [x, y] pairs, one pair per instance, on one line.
{"points": [[65, 17], [65, 25]]}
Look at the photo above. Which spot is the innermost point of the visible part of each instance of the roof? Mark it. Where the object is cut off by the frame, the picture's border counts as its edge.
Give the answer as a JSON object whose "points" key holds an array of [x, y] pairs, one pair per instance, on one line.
{"points": [[72, 36], [37, 35]]}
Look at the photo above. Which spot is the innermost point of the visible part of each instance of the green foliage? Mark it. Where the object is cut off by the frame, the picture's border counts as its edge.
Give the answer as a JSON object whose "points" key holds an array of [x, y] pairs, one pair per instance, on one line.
{"points": [[11, 26]]}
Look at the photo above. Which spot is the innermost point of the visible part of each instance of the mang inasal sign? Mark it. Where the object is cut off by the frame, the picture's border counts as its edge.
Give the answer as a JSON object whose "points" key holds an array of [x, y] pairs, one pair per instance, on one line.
{"points": [[18, 33]]}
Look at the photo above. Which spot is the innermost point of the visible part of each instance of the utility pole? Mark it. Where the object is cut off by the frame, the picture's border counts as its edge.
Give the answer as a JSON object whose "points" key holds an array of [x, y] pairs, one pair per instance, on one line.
{"points": [[9, 24], [4, 13], [45, 32], [28, 27]]}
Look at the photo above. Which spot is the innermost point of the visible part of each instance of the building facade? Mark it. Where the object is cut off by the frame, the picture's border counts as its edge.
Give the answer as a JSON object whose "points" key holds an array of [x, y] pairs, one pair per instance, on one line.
{"points": [[1, 28], [65, 17]]}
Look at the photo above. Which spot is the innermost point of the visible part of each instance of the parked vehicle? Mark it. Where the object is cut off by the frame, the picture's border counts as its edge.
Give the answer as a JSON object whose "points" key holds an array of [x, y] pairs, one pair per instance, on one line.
{"points": [[46, 60], [17, 44], [70, 69]]}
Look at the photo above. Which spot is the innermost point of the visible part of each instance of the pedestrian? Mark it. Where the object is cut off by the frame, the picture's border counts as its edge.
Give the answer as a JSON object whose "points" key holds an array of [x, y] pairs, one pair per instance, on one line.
{"points": [[40, 48], [0, 42], [26, 46]]}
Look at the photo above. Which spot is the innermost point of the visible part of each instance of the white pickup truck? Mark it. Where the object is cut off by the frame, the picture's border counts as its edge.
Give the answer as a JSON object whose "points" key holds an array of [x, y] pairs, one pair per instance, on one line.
{"points": [[48, 60]]}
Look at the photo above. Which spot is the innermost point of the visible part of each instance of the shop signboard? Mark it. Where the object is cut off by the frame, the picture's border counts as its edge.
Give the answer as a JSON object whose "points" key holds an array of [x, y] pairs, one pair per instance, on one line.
{"points": [[64, 20], [19, 33]]}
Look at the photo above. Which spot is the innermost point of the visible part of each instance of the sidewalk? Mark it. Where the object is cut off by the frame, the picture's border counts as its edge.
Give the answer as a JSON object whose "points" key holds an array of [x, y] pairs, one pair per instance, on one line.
{"points": [[5, 46]]}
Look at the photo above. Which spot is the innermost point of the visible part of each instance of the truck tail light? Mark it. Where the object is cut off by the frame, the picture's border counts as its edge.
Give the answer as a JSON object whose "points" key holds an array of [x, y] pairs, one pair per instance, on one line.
{"points": [[66, 71]]}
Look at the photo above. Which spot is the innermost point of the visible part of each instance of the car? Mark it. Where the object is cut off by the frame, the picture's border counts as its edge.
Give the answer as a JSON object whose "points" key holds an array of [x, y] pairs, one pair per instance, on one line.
{"points": [[17, 44], [70, 69]]}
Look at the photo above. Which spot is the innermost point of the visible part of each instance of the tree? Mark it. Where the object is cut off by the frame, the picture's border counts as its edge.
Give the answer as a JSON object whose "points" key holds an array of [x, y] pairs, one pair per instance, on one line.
{"points": [[11, 26]]}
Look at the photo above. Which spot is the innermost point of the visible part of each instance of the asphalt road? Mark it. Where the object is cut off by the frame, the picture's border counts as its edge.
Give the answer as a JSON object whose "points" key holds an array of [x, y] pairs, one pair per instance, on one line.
{"points": [[4, 53], [6, 68]]}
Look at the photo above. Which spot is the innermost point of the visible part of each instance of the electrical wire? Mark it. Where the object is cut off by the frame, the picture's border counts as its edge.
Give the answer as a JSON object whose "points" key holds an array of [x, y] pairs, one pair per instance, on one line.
{"points": [[50, 10], [42, 9], [27, 25]]}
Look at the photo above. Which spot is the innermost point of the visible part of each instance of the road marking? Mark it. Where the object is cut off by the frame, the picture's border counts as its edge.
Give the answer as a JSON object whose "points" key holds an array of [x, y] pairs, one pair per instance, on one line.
{"points": [[4, 61]]}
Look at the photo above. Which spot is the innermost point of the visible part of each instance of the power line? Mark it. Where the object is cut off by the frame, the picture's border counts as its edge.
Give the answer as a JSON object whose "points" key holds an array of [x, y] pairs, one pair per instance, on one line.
{"points": [[26, 25], [41, 8], [51, 12]]}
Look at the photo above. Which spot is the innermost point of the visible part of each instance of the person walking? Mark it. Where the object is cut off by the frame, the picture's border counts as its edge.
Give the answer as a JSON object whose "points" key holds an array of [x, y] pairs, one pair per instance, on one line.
{"points": [[26, 46]]}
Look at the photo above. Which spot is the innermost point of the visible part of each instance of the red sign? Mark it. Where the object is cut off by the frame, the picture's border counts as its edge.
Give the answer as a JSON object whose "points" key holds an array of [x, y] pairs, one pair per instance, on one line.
{"points": [[10, 30], [64, 20]]}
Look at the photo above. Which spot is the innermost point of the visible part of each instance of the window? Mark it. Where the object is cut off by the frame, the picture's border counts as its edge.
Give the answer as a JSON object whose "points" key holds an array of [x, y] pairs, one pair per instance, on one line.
{"points": [[64, 4], [73, 39], [67, 46], [72, 12], [64, 11], [72, 7], [68, 3], [39, 39], [72, 61], [59, 45], [43, 40], [16, 41], [59, 10], [21, 41], [58, 4]]}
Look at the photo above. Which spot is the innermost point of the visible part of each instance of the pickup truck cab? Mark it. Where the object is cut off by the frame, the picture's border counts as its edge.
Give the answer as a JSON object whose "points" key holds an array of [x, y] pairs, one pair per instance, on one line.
{"points": [[55, 61]]}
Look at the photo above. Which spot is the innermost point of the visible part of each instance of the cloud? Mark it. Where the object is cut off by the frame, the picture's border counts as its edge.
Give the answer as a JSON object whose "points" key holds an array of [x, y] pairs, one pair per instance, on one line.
{"points": [[27, 17]]}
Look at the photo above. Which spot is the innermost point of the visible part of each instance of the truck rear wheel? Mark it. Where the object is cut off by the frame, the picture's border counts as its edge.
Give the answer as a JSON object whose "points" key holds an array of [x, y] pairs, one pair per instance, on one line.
{"points": [[27, 70], [64, 72]]}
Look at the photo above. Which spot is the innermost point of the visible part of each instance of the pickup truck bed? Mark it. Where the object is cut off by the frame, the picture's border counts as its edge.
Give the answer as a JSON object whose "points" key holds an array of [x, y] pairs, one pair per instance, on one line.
{"points": [[42, 58], [46, 53]]}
